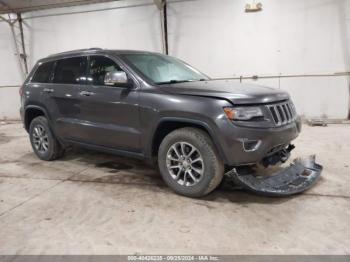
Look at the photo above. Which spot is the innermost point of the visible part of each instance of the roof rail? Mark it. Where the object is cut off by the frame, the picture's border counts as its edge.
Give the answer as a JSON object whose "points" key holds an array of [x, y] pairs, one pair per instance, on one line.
{"points": [[76, 51]]}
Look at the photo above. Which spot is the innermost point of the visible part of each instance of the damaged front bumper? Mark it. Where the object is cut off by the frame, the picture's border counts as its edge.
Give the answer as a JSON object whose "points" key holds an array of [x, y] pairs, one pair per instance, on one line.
{"points": [[296, 178]]}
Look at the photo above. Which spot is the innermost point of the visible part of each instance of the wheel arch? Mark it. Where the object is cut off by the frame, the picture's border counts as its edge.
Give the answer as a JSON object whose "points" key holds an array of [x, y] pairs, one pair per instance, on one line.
{"points": [[167, 125], [32, 112]]}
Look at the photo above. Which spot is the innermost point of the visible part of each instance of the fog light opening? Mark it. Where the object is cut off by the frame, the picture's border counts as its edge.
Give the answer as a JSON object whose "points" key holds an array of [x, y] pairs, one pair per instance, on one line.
{"points": [[251, 145]]}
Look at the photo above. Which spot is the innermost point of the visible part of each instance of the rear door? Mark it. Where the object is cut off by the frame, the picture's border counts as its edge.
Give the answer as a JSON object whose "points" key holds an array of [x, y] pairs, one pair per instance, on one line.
{"points": [[63, 95], [36, 89], [110, 113]]}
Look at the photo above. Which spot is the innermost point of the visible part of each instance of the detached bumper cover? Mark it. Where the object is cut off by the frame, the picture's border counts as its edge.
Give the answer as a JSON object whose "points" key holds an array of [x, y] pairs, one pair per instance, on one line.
{"points": [[298, 177]]}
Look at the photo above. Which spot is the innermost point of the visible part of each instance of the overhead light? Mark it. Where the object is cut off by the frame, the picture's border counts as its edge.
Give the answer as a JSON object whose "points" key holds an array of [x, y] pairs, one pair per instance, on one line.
{"points": [[253, 7]]}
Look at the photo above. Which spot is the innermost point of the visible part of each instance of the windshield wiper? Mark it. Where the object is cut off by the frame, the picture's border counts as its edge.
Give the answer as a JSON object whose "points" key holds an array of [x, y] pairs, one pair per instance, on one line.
{"points": [[172, 82], [177, 81]]}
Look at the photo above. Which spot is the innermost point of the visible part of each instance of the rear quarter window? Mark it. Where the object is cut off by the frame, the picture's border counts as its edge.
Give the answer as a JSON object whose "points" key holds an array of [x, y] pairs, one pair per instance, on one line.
{"points": [[43, 73]]}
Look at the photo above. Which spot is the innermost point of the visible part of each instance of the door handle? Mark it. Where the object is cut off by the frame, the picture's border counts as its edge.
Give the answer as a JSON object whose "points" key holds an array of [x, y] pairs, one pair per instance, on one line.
{"points": [[86, 93], [48, 90]]}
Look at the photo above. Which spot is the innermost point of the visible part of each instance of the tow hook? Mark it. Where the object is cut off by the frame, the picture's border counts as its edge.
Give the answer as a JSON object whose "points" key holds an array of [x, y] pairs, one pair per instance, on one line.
{"points": [[296, 178]]}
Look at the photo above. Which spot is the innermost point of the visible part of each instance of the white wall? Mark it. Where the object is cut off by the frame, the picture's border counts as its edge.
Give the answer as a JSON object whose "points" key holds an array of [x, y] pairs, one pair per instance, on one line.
{"points": [[218, 37], [9, 75], [136, 27], [287, 37], [133, 24], [9, 65]]}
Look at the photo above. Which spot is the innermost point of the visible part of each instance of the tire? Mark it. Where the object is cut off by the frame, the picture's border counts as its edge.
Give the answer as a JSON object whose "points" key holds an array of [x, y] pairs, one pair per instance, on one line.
{"points": [[43, 142], [206, 173]]}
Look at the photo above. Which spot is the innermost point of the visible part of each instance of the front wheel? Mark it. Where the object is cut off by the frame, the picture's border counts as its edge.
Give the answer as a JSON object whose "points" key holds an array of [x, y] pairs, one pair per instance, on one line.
{"points": [[189, 162]]}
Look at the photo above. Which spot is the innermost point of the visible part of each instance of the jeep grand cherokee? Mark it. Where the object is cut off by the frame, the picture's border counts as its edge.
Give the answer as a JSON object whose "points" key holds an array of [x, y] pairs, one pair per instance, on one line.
{"points": [[157, 108]]}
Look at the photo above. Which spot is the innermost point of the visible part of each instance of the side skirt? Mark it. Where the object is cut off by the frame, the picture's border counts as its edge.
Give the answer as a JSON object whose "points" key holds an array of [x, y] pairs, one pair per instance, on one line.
{"points": [[109, 150]]}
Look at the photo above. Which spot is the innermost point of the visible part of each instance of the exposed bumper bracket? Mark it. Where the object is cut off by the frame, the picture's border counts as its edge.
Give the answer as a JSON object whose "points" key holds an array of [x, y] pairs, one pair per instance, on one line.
{"points": [[279, 156], [296, 178]]}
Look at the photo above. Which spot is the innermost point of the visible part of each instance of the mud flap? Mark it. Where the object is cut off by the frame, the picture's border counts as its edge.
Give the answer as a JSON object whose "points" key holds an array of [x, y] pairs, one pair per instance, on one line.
{"points": [[296, 178]]}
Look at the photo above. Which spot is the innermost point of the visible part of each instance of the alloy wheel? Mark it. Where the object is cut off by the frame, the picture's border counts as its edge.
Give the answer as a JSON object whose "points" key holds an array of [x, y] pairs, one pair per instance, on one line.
{"points": [[185, 163], [40, 139]]}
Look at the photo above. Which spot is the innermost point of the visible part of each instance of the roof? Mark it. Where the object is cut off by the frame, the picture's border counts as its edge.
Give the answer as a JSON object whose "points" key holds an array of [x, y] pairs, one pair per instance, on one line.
{"points": [[20, 6], [77, 51], [94, 50]]}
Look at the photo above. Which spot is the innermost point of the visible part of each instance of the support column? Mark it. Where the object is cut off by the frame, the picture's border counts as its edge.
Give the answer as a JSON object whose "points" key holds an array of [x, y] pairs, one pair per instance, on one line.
{"points": [[162, 6], [23, 54], [16, 26], [165, 22]]}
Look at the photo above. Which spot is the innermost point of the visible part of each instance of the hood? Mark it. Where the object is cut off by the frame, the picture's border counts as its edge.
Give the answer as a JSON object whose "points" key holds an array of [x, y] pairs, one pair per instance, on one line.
{"points": [[231, 90]]}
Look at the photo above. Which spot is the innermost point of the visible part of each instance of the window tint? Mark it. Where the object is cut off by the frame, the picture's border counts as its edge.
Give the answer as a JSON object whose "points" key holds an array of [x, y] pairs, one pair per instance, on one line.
{"points": [[43, 73], [99, 66], [70, 71]]}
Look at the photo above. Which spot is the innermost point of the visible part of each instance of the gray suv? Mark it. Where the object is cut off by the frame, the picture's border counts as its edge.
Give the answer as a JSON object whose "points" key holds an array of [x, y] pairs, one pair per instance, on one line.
{"points": [[156, 108]]}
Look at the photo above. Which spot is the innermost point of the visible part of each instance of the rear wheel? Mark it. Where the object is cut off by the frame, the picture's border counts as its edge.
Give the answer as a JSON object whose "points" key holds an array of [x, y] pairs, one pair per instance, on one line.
{"points": [[189, 163], [44, 143]]}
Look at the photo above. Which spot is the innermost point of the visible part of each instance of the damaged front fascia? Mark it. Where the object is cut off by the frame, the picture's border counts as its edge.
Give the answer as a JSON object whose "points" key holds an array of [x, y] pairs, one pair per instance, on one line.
{"points": [[302, 174]]}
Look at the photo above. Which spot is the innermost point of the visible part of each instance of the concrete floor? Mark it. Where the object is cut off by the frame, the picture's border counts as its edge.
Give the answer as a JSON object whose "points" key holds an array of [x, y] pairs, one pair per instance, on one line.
{"points": [[92, 203]]}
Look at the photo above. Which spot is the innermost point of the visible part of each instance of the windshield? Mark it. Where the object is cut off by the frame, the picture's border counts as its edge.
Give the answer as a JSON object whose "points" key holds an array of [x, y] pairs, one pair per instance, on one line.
{"points": [[162, 69]]}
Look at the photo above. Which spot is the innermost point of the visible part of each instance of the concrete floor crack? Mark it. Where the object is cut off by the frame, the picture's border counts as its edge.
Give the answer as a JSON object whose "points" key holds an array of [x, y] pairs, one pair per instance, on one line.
{"points": [[42, 192], [29, 199]]}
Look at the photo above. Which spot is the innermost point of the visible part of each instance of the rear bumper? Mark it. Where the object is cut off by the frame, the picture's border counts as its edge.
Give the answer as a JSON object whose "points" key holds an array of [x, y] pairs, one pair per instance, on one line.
{"points": [[242, 145]]}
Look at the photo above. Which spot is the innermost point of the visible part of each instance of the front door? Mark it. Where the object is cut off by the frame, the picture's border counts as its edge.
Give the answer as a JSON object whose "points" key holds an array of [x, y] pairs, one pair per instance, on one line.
{"points": [[110, 113]]}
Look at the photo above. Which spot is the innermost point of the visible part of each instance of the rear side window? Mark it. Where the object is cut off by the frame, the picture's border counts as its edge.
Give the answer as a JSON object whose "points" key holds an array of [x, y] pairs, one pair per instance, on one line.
{"points": [[43, 73], [99, 66], [70, 71]]}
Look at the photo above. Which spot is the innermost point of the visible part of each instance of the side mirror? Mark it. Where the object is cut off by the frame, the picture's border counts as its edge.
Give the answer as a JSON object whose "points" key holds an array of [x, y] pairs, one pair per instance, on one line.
{"points": [[118, 78]]}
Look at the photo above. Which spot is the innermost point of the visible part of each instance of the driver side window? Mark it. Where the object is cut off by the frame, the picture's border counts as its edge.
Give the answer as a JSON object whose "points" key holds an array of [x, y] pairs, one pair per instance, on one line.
{"points": [[98, 67]]}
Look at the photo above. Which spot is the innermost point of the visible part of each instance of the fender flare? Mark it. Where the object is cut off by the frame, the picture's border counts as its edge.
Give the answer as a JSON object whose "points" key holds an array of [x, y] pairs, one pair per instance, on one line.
{"points": [[34, 107], [196, 122]]}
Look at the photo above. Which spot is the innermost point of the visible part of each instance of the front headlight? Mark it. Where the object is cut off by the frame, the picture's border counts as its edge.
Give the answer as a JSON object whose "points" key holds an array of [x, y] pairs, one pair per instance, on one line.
{"points": [[243, 113]]}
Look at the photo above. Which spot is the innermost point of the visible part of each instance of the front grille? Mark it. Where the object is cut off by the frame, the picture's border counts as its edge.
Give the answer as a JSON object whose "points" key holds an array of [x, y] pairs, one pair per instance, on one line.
{"points": [[282, 113]]}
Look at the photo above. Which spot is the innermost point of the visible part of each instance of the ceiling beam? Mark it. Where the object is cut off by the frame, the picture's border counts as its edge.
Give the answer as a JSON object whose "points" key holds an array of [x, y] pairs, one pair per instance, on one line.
{"points": [[159, 3], [7, 9], [20, 6]]}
